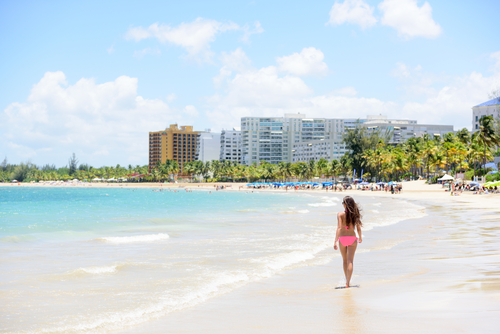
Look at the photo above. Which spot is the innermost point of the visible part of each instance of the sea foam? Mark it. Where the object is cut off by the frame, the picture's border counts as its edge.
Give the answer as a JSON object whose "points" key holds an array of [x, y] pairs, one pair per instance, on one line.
{"points": [[135, 239], [96, 270]]}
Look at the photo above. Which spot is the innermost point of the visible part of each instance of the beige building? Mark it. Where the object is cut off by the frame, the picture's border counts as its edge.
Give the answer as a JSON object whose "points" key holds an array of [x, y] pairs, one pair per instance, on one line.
{"points": [[173, 143]]}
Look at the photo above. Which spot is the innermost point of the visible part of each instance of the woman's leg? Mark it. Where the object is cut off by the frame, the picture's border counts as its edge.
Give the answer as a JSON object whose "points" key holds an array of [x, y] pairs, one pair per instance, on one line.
{"points": [[343, 251], [350, 259]]}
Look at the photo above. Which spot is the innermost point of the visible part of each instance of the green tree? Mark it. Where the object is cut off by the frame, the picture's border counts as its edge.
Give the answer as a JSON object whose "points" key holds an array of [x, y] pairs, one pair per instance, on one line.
{"points": [[72, 164], [360, 139], [486, 135]]}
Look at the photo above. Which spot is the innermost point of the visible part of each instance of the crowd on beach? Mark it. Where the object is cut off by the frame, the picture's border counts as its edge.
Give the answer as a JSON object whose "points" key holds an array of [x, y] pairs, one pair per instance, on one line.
{"points": [[458, 188], [392, 187]]}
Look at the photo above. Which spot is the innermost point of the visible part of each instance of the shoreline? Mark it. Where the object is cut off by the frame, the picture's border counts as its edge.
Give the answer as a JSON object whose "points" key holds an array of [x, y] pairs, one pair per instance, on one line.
{"points": [[412, 190], [417, 294], [414, 297]]}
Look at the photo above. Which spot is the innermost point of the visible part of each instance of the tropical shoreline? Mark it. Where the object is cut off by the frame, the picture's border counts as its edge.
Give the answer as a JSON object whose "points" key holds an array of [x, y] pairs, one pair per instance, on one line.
{"points": [[413, 190], [302, 299], [421, 294]]}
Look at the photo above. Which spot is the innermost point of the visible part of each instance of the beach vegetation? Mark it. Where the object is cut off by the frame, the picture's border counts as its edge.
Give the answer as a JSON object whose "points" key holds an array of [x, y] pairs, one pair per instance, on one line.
{"points": [[361, 139], [370, 152]]}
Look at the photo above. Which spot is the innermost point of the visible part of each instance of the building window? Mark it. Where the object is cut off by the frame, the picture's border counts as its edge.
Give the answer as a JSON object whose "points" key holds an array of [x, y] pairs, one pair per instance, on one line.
{"points": [[477, 126], [476, 121]]}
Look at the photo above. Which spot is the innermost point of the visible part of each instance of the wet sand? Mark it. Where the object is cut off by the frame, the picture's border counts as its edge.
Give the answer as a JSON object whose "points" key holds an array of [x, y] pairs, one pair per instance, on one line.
{"points": [[437, 274]]}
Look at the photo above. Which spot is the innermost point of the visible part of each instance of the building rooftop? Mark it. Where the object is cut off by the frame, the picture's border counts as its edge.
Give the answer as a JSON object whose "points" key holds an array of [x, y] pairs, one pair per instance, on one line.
{"points": [[492, 102]]}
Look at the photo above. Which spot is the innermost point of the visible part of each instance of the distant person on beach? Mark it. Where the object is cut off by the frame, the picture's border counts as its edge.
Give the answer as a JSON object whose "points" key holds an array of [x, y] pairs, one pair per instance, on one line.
{"points": [[347, 222]]}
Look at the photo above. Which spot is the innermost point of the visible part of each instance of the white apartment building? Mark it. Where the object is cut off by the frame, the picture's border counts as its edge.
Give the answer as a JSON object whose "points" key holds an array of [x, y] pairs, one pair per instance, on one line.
{"points": [[230, 145], [295, 137], [403, 129], [313, 150], [207, 146], [287, 138], [488, 108]]}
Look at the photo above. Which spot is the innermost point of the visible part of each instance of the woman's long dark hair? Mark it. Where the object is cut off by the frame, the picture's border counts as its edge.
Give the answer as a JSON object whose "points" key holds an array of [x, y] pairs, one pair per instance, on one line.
{"points": [[352, 212]]}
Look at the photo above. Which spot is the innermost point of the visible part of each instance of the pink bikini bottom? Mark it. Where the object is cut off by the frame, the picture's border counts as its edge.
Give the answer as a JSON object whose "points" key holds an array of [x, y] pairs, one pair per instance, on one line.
{"points": [[347, 241]]}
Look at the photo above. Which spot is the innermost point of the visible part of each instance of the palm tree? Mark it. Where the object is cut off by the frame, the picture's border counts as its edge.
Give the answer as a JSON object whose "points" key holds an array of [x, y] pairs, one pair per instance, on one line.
{"points": [[311, 168], [156, 174], [206, 169], [301, 169], [437, 160], [322, 166], [345, 165], [486, 135], [464, 136], [283, 169], [216, 168], [400, 163], [189, 168], [474, 153], [335, 168], [428, 150]]}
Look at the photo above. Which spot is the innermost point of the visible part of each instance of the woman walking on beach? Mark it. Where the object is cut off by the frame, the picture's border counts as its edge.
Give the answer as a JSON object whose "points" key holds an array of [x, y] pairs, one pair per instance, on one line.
{"points": [[348, 220]]}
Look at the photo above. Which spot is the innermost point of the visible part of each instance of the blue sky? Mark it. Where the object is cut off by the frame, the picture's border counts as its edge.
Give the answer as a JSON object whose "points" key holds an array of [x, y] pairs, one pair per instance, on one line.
{"points": [[94, 77]]}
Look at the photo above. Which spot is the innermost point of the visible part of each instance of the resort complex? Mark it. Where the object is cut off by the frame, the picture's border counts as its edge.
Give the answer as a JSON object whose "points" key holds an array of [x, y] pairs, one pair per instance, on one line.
{"points": [[295, 137], [292, 138]]}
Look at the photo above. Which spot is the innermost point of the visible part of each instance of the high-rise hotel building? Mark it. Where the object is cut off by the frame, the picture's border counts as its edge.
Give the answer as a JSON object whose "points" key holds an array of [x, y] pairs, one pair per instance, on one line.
{"points": [[173, 143], [291, 138], [230, 145], [295, 137]]}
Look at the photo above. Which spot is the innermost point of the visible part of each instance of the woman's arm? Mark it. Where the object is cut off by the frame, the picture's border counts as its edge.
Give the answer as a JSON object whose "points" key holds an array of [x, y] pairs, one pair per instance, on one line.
{"points": [[360, 240], [337, 234]]}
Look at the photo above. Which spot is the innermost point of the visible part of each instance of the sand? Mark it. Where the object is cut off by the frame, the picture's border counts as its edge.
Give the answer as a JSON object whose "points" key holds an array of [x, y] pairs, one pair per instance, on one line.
{"points": [[437, 274]]}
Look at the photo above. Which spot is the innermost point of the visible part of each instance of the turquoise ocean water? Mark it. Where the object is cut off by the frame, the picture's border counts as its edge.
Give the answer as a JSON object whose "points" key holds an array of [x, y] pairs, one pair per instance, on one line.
{"points": [[81, 260]]}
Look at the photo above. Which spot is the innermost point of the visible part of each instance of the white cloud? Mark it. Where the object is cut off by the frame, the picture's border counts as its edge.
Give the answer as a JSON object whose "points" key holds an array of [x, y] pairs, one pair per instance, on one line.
{"points": [[408, 19], [496, 58], [416, 83], [444, 99], [345, 91], [401, 71], [452, 103], [431, 98], [256, 91], [86, 118], [308, 62], [171, 97], [111, 49], [236, 60], [257, 29], [194, 36], [191, 111], [354, 12], [147, 51]]}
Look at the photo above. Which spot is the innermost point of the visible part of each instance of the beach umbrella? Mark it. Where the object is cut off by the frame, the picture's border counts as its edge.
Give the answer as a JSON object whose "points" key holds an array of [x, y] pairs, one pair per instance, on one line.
{"points": [[364, 183], [381, 183], [446, 177]]}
